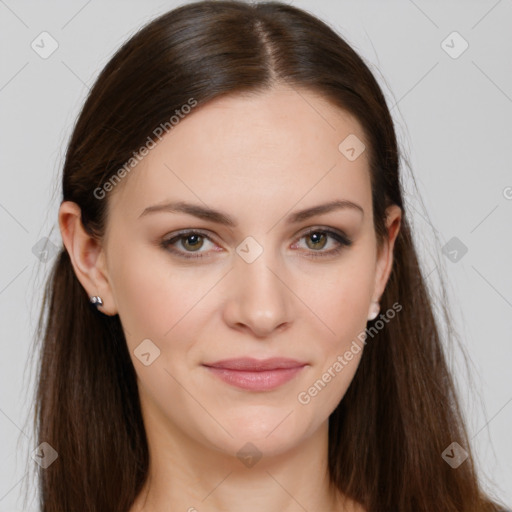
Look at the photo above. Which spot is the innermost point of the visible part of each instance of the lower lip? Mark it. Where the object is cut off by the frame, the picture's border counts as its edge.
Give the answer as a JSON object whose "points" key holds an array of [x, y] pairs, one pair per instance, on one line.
{"points": [[256, 381]]}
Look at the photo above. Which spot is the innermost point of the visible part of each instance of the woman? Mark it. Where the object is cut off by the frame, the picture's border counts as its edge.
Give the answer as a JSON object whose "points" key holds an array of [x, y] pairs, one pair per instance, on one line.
{"points": [[237, 319]]}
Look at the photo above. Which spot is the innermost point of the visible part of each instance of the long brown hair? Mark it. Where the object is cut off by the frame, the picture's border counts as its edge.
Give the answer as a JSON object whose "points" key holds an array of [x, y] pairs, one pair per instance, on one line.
{"points": [[401, 411]]}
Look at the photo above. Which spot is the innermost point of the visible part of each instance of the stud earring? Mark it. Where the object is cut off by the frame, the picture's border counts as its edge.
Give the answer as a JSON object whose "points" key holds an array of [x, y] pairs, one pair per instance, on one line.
{"points": [[96, 301], [374, 310]]}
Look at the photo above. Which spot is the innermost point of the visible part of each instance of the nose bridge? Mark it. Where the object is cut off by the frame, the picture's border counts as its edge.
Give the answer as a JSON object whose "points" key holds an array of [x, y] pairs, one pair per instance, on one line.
{"points": [[259, 298]]}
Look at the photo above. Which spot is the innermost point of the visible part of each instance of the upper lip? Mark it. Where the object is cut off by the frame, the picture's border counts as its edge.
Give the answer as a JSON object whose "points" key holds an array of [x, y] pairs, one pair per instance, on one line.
{"points": [[255, 365]]}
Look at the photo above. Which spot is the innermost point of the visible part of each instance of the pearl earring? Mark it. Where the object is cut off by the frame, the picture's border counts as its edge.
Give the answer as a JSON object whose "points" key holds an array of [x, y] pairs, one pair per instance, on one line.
{"points": [[374, 310]]}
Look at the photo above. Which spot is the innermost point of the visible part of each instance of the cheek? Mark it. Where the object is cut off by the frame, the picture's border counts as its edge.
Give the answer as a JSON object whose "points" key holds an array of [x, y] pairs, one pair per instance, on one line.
{"points": [[147, 299], [159, 301], [342, 305], [343, 297]]}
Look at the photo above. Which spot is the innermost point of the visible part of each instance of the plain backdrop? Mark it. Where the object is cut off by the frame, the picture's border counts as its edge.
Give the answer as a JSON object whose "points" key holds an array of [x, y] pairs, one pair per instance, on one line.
{"points": [[445, 68]]}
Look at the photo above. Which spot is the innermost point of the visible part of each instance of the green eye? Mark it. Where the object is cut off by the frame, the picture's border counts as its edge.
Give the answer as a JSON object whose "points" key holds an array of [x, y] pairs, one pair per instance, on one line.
{"points": [[319, 238], [193, 241]]}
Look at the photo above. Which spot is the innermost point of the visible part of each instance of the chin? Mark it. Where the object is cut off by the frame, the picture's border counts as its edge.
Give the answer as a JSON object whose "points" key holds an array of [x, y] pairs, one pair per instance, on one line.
{"points": [[251, 449], [271, 431]]}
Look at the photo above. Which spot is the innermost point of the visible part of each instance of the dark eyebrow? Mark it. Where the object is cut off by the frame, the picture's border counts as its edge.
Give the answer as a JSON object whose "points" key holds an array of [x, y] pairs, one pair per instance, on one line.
{"points": [[223, 218]]}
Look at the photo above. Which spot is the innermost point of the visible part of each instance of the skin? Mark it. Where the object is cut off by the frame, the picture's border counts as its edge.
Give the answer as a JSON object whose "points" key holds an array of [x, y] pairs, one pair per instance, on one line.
{"points": [[258, 158]]}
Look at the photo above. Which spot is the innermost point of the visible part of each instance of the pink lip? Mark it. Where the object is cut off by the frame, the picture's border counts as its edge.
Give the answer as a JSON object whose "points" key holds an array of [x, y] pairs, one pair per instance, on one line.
{"points": [[256, 365], [254, 374]]}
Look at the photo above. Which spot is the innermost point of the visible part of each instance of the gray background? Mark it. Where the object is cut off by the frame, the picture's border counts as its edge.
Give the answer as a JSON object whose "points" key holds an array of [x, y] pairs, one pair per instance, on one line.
{"points": [[452, 116]]}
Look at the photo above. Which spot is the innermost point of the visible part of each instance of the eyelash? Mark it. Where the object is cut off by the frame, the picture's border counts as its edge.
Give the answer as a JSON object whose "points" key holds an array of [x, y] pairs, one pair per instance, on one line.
{"points": [[342, 240]]}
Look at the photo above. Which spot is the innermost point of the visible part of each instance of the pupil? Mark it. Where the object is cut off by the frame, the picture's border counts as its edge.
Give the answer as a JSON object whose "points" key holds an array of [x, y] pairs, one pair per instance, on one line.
{"points": [[193, 244], [316, 237]]}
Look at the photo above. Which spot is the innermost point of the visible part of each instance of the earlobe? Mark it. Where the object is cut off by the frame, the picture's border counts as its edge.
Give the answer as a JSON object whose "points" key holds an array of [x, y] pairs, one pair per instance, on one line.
{"points": [[87, 256], [374, 310]]}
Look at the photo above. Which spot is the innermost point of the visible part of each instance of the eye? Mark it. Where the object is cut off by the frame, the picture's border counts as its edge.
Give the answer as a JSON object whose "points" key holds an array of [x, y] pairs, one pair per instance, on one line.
{"points": [[316, 239], [191, 241]]}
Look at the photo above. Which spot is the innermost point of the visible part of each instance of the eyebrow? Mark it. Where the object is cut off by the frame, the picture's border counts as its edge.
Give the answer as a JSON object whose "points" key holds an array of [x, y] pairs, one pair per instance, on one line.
{"points": [[225, 219]]}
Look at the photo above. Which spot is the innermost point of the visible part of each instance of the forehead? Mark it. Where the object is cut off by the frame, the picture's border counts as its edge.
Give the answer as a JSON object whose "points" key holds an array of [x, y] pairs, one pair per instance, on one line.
{"points": [[248, 150]]}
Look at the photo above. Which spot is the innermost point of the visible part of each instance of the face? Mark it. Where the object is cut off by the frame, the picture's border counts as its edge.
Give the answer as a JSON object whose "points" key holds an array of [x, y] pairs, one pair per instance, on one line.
{"points": [[267, 284]]}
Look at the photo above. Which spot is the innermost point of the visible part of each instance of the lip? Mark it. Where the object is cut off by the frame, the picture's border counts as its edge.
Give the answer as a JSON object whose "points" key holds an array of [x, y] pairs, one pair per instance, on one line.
{"points": [[256, 365], [256, 374]]}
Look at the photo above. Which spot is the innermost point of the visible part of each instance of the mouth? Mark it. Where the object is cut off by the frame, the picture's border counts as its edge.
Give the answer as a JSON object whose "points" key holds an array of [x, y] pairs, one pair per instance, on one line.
{"points": [[256, 375]]}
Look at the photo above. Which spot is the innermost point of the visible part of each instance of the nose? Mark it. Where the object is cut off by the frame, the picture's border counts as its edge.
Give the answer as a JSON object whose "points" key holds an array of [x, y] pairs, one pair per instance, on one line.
{"points": [[258, 301]]}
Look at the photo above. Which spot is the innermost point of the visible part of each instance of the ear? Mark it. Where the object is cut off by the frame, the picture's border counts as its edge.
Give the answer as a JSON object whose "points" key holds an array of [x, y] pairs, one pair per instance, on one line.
{"points": [[385, 256], [87, 256]]}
